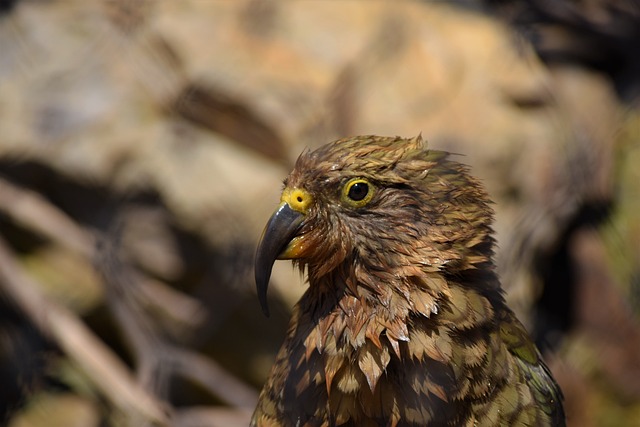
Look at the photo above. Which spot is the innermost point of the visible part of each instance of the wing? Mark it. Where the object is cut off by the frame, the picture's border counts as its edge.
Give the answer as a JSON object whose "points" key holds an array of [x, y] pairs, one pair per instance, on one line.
{"points": [[545, 404]]}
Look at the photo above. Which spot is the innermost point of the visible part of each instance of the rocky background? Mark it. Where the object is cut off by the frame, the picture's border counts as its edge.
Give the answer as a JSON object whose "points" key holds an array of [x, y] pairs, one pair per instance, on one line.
{"points": [[142, 148]]}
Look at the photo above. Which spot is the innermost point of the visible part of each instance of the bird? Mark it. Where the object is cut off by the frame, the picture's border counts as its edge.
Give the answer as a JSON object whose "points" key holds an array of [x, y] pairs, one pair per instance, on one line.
{"points": [[404, 320]]}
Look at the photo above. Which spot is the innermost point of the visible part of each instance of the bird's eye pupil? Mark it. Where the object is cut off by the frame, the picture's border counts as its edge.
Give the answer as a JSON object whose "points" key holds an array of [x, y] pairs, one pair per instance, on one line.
{"points": [[299, 198], [358, 191]]}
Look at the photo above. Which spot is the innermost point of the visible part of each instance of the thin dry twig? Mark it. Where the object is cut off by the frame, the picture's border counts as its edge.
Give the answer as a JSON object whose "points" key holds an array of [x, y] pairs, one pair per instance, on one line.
{"points": [[155, 357], [210, 375], [35, 213], [130, 293], [101, 365]]}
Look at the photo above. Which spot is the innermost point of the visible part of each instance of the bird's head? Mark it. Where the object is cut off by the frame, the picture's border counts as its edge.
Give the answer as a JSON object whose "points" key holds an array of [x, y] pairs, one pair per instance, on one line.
{"points": [[378, 206]]}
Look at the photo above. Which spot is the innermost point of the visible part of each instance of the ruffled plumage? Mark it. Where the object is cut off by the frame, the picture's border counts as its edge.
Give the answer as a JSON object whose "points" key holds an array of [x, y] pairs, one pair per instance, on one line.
{"points": [[404, 322]]}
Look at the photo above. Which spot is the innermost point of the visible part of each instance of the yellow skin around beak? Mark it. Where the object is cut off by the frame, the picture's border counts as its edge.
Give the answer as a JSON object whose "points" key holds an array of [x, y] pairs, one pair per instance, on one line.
{"points": [[298, 200], [280, 239]]}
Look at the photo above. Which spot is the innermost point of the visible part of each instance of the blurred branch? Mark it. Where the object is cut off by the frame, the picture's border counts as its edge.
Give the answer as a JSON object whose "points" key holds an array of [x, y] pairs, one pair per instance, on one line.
{"points": [[35, 213], [107, 373], [157, 358], [130, 296], [213, 377]]}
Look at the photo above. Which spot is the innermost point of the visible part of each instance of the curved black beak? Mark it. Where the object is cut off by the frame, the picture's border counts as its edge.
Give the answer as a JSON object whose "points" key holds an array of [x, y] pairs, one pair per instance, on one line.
{"points": [[281, 228]]}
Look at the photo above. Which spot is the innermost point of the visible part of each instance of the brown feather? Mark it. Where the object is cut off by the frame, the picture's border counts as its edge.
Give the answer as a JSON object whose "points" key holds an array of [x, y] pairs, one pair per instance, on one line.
{"points": [[404, 322]]}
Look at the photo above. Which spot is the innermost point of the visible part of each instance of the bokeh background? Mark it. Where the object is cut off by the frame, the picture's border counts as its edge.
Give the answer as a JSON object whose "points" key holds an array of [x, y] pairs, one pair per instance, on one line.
{"points": [[142, 148]]}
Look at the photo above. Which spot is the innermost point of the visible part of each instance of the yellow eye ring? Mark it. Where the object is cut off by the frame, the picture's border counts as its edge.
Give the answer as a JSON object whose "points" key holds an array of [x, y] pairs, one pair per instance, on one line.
{"points": [[357, 192]]}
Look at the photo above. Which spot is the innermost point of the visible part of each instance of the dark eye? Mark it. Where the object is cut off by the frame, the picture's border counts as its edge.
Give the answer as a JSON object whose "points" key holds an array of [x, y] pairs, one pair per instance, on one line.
{"points": [[358, 191]]}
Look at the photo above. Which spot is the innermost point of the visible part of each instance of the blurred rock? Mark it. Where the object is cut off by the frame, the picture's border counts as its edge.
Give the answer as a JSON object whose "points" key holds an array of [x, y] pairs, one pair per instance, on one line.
{"points": [[602, 35], [180, 119]]}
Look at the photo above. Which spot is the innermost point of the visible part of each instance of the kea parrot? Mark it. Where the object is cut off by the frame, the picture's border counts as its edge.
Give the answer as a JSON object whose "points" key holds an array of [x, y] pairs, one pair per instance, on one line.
{"points": [[404, 322]]}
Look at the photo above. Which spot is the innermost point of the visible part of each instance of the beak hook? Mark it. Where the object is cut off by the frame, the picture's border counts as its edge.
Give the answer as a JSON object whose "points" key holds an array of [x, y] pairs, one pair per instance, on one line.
{"points": [[281, 228]]}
